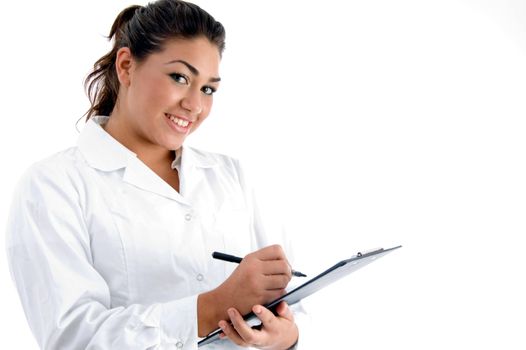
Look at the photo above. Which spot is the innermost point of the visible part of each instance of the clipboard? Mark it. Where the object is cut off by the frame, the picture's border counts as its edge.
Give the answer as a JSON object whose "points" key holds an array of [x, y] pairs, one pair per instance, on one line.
{"points": [[329, 276]]}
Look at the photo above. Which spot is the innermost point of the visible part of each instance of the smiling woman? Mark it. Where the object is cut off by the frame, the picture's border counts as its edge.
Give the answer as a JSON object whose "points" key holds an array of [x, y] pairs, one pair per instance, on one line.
{"points": [[161, 100], [110, 242]]}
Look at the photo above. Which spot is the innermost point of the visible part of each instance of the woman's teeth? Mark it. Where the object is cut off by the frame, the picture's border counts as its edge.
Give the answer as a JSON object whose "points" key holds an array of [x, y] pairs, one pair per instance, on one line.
{"points": [[180, 122]]}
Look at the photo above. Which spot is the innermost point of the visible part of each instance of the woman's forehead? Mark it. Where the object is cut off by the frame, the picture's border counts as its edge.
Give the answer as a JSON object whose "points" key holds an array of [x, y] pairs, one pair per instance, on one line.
{"points": [[198, 50]]}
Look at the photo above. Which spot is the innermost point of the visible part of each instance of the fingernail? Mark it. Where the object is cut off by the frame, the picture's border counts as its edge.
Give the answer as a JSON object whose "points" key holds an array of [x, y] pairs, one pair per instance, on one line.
{"points": [[257, 309], [231, 313], [222, 325]]}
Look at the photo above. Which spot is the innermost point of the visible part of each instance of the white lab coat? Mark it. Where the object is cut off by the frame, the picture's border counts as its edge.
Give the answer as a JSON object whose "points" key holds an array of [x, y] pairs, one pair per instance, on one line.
{"points": [[106, 255]]}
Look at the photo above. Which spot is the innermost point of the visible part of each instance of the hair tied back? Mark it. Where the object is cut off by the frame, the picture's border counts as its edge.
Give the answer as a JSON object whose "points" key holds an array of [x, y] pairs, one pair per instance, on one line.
{"points": [[122, 18]]}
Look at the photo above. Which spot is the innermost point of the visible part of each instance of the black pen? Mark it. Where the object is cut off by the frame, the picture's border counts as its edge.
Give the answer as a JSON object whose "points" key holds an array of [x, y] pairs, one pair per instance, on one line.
{"points": [[236, 259]]}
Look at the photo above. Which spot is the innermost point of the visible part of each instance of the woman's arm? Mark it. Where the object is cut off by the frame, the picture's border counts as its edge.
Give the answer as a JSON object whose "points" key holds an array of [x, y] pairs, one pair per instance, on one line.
{"points": [[67, 302]]}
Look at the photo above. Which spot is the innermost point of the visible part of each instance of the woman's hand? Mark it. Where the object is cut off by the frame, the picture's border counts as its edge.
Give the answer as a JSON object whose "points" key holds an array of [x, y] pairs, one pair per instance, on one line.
{"points": [[261, 277], [277, 332]]}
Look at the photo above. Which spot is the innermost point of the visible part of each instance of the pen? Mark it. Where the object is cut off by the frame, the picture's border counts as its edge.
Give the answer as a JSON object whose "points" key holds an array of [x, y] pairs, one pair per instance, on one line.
{"points": [[236, 259]]}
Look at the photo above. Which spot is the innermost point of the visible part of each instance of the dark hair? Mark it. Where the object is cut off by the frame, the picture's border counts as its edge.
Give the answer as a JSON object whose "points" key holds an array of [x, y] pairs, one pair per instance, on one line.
{"points": [[144, 30]]}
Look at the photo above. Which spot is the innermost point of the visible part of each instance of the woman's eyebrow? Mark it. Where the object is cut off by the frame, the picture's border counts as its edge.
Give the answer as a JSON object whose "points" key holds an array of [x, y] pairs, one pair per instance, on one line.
{"points": [[193, 69]]}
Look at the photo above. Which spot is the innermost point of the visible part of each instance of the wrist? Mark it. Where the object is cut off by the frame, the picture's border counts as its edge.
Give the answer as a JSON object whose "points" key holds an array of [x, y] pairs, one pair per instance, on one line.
{"points": [[210, 310], [206, 313]]}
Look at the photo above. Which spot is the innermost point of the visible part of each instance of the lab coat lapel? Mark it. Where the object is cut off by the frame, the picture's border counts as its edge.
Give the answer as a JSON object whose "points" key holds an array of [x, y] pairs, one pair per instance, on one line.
{"points": [[105, 153], [139, 175], [193, 168]]}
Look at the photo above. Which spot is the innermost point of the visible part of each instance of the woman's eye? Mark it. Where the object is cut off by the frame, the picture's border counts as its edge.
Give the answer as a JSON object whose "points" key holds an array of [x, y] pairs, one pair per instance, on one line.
{"points": [[179, 78], [208, 90]]}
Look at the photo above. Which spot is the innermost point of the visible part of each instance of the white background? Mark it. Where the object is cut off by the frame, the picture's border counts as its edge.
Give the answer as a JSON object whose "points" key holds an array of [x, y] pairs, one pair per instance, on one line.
{"points": [[372, 123]]}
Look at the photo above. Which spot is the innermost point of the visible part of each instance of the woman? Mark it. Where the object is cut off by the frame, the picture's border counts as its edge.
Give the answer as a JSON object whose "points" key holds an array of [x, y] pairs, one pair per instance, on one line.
{"points": [[109, 242]]}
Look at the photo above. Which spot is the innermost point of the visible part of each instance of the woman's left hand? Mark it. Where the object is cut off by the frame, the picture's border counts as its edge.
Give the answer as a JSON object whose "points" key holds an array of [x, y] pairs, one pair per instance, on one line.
{"points": [[277, 332]]}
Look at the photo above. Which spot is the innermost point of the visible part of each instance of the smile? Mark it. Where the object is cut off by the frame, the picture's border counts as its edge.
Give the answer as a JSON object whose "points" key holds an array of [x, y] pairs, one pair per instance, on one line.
{"points": [[181, 122]]}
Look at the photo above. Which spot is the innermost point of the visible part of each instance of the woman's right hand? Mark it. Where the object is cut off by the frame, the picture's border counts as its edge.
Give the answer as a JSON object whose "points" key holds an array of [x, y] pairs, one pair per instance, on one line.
{"points": [[261, 277]]}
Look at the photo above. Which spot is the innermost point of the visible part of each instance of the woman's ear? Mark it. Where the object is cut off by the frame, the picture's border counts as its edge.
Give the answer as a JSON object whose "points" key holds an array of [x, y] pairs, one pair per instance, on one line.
{"points": [[123, 65]]}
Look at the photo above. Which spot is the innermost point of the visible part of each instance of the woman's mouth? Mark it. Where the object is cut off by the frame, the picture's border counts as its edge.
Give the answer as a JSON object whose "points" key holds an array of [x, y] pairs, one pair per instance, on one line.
{"points": [[179, 124]]}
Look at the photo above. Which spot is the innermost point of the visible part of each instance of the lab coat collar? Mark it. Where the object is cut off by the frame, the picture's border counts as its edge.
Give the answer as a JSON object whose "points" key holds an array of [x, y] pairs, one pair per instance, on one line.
{"points": [[105, 153], [100, 149], [190, 158]]}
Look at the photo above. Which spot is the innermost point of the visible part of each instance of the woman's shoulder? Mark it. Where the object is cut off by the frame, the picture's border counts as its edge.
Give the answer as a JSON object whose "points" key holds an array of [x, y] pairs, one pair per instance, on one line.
{"points": [[57, 169], [61, 161]]}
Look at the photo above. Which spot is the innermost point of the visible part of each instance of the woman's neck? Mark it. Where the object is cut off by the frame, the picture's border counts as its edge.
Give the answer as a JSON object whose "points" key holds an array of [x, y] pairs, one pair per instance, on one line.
{"points": [[154, 156]]}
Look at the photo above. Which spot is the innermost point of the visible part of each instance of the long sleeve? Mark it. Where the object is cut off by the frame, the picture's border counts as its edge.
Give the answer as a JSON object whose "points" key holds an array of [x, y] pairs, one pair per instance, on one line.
{"points": [[66, 301]]}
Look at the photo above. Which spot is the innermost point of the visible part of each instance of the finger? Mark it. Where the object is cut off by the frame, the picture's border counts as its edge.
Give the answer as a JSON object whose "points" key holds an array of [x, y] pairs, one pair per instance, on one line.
{"points": [[284, 311], [244, 331], [275, 282], [276, 267], [271, 294], [272, 252], [267, 318], [231, 333]]}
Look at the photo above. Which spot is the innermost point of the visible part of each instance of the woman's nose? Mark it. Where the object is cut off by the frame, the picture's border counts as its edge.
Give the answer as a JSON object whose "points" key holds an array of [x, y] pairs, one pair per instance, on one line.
{"points": [[192, 102]]}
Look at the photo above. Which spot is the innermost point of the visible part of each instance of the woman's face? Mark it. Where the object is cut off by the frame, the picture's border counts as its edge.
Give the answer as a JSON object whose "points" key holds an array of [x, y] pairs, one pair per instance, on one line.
{"points": [[170, 93]]}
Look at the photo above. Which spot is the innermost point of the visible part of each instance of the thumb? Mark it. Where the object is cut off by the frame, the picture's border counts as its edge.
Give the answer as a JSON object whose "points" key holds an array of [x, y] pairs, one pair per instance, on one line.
{"points": [[284, 311]]}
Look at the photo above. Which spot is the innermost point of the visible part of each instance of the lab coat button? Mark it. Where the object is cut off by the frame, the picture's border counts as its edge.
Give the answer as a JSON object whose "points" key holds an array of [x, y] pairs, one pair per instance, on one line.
{"points": [[199, 277], [179, 345], [188, 217]]}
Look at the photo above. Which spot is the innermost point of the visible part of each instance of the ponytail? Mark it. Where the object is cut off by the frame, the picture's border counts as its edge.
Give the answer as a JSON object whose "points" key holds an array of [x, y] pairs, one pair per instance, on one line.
{"points": [[102, 84]]}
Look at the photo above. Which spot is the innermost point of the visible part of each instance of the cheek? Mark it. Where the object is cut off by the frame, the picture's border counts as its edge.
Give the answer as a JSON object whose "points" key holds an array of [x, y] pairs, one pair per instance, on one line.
{"points": [[151, 95], [207, 106], [198, 123]]}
